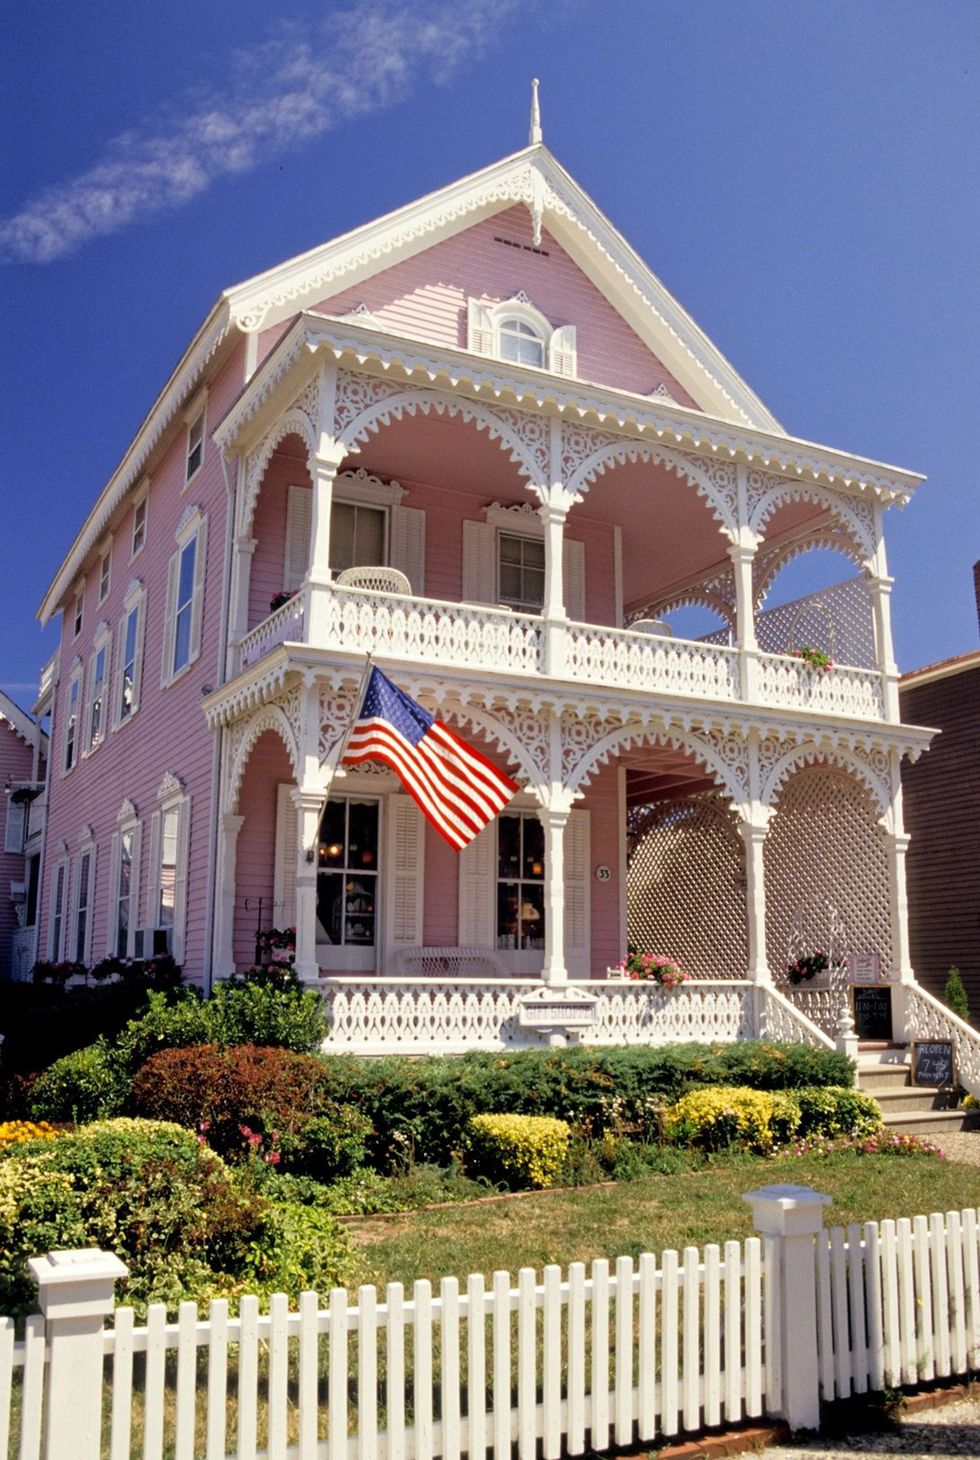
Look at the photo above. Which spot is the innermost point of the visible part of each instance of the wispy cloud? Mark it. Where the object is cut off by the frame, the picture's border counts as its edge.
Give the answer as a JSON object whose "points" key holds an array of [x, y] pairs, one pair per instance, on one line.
{"points": [[299, 84]]}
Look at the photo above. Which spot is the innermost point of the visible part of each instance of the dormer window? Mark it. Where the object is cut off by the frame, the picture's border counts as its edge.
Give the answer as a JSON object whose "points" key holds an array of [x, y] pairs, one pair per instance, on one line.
{"points": [[520, 342]]}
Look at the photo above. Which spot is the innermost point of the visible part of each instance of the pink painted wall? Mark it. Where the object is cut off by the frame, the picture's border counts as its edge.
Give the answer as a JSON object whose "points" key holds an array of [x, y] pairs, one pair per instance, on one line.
{"points": [[15, 765], [268, 766], [169, 731], [426, 296], [267, 577]]}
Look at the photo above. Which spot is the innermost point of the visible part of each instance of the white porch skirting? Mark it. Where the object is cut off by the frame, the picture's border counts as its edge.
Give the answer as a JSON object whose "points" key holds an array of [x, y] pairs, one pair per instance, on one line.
{"points": [[380, 1015]]}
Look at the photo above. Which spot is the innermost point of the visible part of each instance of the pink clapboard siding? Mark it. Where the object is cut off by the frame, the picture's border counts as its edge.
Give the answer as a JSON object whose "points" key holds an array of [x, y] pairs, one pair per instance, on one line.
{"points": [[268, 766], [426, 296], [169, 731], [267, 578], [16, 763]]}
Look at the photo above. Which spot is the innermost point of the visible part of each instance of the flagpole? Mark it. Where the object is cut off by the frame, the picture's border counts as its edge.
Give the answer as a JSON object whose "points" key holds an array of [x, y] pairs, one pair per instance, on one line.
{"points": [[358, 702]]}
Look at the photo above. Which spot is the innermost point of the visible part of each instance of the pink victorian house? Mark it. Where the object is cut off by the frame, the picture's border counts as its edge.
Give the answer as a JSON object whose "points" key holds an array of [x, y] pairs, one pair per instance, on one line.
{"points": [[478, 439]]}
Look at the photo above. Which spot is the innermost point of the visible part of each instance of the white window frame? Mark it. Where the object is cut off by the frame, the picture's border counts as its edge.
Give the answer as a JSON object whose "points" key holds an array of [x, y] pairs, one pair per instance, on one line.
{"points": [[58, 917], [105, 570], [128, 824], [141, 502], [101, 645], [486, 322], [133, 603], [86, 850], [195, 418], [78, 610], [73, 694], [171, 797], [193, 525]]}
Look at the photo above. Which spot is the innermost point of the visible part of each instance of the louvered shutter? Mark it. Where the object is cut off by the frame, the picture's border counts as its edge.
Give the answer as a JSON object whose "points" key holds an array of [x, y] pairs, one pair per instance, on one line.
{"points": [[479, 328], [477, 900], [167, 671], [577, 900], [13, 840], [180, 891], [197, 612], [573, 567], [287, 851], [479, 563], [562, 351], [299, 530], [406, 862], [407, 545]]}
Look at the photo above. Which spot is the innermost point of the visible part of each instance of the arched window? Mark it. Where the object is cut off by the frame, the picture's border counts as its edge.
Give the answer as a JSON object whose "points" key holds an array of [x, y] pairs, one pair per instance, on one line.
{"points": [[520, 342]]}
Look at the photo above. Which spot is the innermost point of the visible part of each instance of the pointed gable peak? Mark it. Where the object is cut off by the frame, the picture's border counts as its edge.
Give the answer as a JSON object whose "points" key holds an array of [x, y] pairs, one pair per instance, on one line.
{"points": [[535, 179]]}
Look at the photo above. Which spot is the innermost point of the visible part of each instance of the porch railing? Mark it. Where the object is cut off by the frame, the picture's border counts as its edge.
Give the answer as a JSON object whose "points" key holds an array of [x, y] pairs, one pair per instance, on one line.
{"points": [[374, 1015]]}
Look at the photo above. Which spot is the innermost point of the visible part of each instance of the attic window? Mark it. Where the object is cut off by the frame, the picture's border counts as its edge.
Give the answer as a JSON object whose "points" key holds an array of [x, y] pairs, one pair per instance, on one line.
{"points": [[520, 342], [516, 331]]}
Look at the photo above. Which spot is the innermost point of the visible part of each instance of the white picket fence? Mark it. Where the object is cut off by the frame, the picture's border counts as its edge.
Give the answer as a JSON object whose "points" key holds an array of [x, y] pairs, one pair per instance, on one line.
{"points": [[578, 1361]]}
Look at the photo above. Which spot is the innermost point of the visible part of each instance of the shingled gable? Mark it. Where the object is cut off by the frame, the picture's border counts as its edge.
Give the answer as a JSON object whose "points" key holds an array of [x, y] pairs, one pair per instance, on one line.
{"points": [[532, 177]]}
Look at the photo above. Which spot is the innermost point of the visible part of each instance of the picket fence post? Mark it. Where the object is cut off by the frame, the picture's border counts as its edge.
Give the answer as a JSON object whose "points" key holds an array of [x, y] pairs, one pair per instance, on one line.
{"points": [[791, 1217], [76, 1292]]}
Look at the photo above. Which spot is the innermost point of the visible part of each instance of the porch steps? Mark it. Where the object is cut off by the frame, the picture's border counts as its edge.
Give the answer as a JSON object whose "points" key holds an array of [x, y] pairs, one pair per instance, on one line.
{"points": [[885, 1071]]}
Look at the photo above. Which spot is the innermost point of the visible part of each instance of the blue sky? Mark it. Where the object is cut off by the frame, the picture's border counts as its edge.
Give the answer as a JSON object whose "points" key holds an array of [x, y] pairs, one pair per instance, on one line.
{"points": [[802, 174]]}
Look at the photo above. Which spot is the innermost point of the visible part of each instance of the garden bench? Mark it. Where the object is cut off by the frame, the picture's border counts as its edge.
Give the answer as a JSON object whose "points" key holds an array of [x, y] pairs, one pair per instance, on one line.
{"points": [[447, 963]]}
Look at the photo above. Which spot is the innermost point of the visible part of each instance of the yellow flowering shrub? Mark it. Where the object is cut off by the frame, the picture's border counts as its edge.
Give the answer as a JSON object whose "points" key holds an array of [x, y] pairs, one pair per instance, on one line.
{"points": [[723, 1116], [521, 1150], [16, 1132]]}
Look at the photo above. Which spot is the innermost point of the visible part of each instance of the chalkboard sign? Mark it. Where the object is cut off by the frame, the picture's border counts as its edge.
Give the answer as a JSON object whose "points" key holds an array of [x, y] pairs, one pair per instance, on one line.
{"points": [[872, 1011], [932, 1062]]}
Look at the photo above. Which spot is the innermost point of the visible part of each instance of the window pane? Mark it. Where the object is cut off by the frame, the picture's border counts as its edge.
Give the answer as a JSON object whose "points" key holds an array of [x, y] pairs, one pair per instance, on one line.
{"points": [[341, 536], [532, 915], [330, 905], [363, 834], [508, 903], [508, 845], [168, 865], [185, 585], [533, 551], [333, 838], [510, 548], [533, 847], [369, 537], [182, 638], [359, 910], [511, 583]]}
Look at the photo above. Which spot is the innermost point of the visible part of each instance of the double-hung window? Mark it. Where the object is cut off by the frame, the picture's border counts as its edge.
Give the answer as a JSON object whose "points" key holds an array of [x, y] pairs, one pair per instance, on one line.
{"points": [[520, 572], [124, 883], [358, 536], [169, 853], [130, 656], [71, 719], [57, 926], [84, 890], [185, 597], [195, 440], [520, 882], [139, 526], [105, 574], [98, 676]]}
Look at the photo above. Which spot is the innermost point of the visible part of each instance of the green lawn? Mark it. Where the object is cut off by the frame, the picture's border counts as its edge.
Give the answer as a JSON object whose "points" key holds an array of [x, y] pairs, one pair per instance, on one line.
{"points": [[647, 1215]]}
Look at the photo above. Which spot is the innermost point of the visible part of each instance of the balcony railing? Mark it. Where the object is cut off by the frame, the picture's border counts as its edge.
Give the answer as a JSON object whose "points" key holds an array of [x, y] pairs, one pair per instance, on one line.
{"points": [[497, 640]]}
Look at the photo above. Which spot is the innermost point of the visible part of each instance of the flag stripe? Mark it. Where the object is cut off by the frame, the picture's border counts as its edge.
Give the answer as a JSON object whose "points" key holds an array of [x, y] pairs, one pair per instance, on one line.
{"points": [[404, 759], [430, 776]]}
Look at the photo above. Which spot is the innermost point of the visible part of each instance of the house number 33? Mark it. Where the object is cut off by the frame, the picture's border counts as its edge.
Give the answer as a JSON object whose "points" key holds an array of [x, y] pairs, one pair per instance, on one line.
{"points": [[603, 873]]}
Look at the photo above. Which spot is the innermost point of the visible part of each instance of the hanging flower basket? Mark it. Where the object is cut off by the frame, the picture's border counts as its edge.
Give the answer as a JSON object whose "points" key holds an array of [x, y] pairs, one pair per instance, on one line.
{"points": [[279, 599], [653, 968], [275, 945], [810, 966], [814, 658]]}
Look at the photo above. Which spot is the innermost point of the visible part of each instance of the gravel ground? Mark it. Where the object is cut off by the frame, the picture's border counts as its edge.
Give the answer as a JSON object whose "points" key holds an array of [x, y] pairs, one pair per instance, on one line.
{"points": [[952, 1429], [963, 1145]]}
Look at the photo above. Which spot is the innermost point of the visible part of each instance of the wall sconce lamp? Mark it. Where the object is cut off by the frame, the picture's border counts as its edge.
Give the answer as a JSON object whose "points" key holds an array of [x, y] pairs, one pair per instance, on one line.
{"points": [[310, 854]]}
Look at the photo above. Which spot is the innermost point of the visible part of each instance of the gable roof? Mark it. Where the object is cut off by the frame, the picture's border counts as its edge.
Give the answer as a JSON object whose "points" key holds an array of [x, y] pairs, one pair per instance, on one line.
{"points": [[535, 178], [19, 720]]}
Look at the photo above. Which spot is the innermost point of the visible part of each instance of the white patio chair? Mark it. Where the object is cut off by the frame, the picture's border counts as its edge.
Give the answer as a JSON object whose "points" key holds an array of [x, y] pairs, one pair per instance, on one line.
{"points": [[377, 579]]}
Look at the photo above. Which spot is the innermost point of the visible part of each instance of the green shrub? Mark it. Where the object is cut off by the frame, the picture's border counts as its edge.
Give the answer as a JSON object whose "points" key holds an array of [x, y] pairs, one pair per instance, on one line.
{"points": [[955, 995], [835, 1112], [267, 1100], [521, 1150], [300, 1248], [720, 1118], [167, 1023], [90, 1084]]}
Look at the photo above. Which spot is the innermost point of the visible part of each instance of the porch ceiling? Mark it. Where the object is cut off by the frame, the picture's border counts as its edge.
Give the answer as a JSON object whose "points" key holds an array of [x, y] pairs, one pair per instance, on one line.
{"points": [[659, 773]]}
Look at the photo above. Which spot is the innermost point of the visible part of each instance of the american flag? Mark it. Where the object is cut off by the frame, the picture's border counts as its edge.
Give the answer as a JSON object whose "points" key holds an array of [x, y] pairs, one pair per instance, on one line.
{"points": [[456, 788]]}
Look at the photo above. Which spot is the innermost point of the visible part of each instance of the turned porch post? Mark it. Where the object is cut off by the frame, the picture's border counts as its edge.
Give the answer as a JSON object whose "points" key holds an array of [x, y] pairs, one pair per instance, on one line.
{"points": [[309, 808], [742, 554], [553, 610], [880, 586], [554, 971], [896, 845], [753, 838], [229, 825], [241, 578]]}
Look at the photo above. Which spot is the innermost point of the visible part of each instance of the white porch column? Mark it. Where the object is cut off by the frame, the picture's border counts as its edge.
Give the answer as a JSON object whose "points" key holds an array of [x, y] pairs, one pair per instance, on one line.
{"points": [[896, 845], [753, 838], [554, 971], [553, 611], [880, 589], [229, 825], [241, 578], [309, 808], [742, 554]]}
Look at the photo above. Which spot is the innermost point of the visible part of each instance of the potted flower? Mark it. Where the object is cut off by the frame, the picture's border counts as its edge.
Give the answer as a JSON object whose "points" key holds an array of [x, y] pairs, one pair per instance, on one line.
{"points": [[278, 599], [653, 968], [275, 945], [808, 967], [814, 658]]}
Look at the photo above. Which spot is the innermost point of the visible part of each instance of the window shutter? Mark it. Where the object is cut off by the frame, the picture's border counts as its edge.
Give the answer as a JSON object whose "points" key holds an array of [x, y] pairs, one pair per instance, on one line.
{"points": [[197, 612], [180, 891], [406, 862], [479, 563], [114, 867], [167, 671], [573, 567], [13, 840], [477, 900], [577, 900], [479, 328], [153, 876], [299, 530], [287, 851], [407, 548], [562, 351]]}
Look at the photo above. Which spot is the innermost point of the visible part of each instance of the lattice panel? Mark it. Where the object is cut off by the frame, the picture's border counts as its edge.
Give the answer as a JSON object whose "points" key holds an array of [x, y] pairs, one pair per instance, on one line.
{"points": [[685, 886], [826, 870], [837, 620]]}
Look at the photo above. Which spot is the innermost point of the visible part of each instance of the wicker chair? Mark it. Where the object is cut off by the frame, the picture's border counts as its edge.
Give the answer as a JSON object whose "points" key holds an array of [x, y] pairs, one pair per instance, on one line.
{"points": [[439, 963], [657, 628], [377, 580]]}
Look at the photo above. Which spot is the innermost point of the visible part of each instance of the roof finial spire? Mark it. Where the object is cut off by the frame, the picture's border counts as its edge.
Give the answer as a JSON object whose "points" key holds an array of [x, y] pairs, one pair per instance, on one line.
{"points": [[534, 135]]}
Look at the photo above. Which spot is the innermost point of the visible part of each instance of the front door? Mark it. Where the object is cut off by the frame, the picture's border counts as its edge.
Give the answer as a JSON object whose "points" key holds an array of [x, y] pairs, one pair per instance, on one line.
{"points": [[347, 885]]}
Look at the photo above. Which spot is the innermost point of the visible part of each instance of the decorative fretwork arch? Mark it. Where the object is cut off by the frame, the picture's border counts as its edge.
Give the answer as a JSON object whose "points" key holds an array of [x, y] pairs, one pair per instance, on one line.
{"points": [[295, 422], [710, 481], [770, 562], [873, 779], [271, 717], [410, 402], [521, 762], [631, 735], [855, 517]]}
